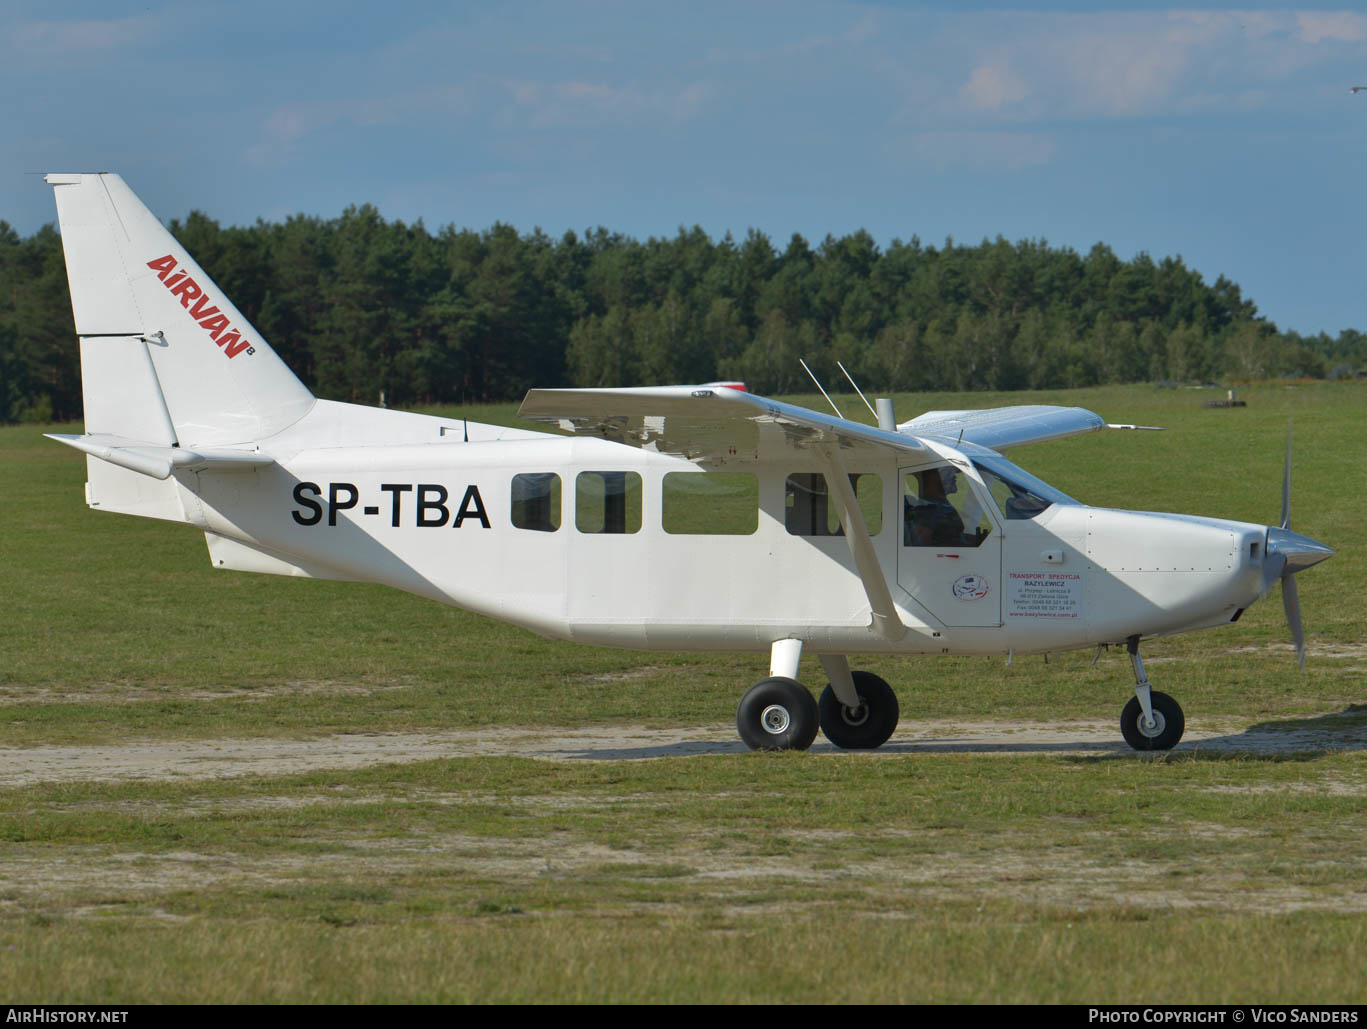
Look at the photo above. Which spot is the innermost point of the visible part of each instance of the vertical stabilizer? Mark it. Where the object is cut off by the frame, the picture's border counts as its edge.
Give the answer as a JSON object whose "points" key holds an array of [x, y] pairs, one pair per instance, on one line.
{"points": [[165, 356]]}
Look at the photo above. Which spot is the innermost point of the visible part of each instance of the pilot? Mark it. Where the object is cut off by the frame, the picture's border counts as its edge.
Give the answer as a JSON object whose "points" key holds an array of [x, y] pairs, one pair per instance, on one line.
{"points": [[931, 520]]}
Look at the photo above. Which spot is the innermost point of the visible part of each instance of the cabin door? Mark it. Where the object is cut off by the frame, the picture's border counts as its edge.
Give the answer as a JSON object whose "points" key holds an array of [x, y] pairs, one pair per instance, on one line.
{"points": [[950, 553]]}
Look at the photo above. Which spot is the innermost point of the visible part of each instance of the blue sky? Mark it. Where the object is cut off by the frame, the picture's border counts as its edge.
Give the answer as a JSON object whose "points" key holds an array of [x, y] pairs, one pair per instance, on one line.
{"points": [[1226, 136]]}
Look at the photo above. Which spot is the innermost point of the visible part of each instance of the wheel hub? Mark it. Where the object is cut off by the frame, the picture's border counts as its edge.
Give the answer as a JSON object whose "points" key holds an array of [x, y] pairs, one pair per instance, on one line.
{"points": [[1154, 728], [854, 715], [775, 719]]}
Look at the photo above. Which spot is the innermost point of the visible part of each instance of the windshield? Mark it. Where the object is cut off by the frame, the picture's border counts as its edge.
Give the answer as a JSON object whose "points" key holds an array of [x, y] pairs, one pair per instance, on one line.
{"points": [[1018, 493]]}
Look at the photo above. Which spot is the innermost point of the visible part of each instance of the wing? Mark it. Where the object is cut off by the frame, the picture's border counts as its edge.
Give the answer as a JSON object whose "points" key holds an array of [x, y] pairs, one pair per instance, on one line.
{"points": [[715, 424], [708, 424], [1000, 428]]}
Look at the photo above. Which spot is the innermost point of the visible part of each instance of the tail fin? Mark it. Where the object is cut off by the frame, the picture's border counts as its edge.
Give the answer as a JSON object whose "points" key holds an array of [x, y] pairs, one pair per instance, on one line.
{"points": [[166, 359]]}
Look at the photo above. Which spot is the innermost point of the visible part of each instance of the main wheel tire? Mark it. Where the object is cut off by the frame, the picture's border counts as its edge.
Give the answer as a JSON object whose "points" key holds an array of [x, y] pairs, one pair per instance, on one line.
{"points": [[867, 726], [1169, 723], [777, 714]]}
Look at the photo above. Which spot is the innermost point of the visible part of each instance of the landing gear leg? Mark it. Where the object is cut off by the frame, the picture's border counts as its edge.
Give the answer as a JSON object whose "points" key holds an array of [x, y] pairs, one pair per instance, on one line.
{"points": [[1151, 720], [1142, 688], [837, 669], [784, 657]]}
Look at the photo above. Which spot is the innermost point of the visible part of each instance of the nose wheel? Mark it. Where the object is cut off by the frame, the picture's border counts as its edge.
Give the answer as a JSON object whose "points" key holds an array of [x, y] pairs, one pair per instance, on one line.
{"points": [[1159, 732], [1151, 720]]}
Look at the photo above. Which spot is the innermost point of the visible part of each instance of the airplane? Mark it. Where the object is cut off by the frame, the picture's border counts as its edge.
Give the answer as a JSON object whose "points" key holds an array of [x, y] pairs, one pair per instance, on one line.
{"points": [[681, 518]]}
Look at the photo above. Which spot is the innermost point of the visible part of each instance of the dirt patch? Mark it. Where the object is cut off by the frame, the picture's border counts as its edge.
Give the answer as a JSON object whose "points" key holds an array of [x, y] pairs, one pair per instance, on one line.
{"points": [[626, 675], [1068, 877], [126, 693], [227, 758], [1324, 650]]}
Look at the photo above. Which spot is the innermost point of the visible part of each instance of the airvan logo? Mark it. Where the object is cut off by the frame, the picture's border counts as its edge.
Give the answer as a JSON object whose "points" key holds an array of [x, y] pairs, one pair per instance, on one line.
{"points": [[194, 300], [971, 587]]}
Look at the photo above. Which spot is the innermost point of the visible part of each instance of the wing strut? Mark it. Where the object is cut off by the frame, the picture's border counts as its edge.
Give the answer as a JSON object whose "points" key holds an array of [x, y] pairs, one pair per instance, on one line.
{"points": [[885, 620]]}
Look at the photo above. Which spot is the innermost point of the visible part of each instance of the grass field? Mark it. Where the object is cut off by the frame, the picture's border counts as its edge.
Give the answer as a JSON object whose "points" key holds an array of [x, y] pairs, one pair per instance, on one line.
{"points": [[1229, 876]]}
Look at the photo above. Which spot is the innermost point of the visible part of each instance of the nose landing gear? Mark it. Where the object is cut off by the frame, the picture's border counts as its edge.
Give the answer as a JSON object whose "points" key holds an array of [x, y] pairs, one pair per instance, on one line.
{"points": [[1151, 720]]}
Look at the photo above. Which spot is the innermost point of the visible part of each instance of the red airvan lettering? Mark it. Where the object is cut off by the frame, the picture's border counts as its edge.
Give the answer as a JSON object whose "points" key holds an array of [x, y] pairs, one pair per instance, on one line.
{"points": [[199, 312], [210, 318], [187, 290], [162, 265], [233, 343]]}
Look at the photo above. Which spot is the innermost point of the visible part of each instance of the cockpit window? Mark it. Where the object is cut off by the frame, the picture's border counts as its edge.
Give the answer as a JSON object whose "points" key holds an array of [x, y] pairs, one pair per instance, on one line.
{"points": [[941, 509], [1019, 495]]}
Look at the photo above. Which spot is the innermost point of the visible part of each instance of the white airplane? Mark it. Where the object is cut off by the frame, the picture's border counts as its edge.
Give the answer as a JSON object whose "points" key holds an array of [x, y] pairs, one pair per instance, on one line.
{"points": [[674, 518]]}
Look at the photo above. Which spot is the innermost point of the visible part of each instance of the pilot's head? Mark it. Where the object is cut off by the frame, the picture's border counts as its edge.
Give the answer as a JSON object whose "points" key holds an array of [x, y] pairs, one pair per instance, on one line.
{"points": [[938, 482]]}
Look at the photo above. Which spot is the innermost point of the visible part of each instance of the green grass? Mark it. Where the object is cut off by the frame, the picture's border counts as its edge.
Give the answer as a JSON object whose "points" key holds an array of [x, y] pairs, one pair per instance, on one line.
{"points": [[1200, 877], [718, 879]]}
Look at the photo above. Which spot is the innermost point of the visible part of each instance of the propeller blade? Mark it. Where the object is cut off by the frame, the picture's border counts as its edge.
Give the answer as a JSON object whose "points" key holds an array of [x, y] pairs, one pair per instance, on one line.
{"points": [[1286, 481], [1291, 600]]}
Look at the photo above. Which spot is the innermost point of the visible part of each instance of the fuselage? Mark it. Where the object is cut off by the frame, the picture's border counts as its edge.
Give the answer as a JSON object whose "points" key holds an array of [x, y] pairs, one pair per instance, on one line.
{"points": [[583, 539]]}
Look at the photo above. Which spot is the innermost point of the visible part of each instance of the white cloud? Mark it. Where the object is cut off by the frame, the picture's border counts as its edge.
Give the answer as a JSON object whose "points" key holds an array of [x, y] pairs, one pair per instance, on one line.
{"points": [[1339, 26], [594, 92], [1125, 72], [865, 29], [523, 92], [992, 86], [290, 124], [71, 38], [974, 70], [534, 105], [577, 102], [958, 88], [28, 47]]}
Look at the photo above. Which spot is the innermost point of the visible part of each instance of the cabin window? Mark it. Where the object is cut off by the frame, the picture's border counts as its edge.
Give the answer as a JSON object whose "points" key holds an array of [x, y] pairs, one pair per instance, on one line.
{"points": [[1014, 498], [710, 503], [607, 502], [940, 509], [536, 501], [809, 509]]}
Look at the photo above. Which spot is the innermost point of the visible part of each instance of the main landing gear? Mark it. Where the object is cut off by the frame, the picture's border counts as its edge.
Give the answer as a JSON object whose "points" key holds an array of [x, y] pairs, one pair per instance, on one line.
{"points": [[777, 713], [857, 710], [1151, 720]]}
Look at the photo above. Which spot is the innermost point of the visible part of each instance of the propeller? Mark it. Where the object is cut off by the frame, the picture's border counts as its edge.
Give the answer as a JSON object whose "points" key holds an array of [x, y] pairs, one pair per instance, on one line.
{"points": [[1288, 553]]}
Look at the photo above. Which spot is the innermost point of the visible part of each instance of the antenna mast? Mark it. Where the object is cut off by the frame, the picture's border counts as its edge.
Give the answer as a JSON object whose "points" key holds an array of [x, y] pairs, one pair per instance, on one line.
{"points": [[822, 388], [841, 366]]}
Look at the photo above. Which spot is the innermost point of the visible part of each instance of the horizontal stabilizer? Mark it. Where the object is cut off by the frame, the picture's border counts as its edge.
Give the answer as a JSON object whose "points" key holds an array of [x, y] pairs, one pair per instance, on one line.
{"points": [[238, 556], [159, 461]]}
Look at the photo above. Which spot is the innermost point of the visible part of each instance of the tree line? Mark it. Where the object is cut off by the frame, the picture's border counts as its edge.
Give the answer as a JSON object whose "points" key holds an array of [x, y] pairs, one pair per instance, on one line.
{"points": [[359, 306]]}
